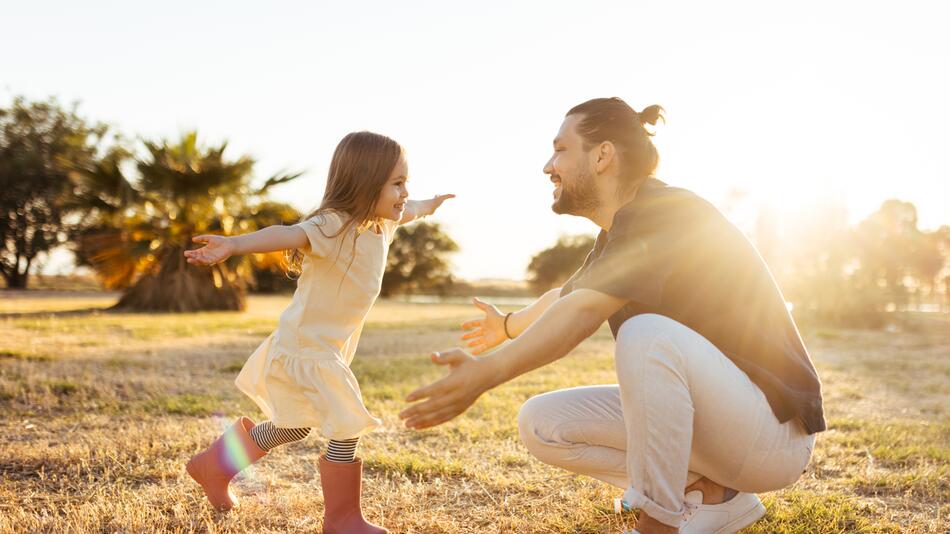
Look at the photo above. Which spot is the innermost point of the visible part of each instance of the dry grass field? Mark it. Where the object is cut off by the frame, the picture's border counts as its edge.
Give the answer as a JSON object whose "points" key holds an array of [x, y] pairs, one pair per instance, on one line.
{"points": [[100, 411]]}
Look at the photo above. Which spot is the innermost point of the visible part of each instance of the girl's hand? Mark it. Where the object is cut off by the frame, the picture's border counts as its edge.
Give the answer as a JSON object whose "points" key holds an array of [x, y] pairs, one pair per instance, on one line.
{"points": [[217, 249], [485, 334], [433, 203]]}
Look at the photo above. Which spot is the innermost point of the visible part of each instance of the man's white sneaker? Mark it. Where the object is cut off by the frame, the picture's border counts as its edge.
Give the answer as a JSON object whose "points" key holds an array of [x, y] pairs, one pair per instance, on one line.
{"points": [[727, 518]]}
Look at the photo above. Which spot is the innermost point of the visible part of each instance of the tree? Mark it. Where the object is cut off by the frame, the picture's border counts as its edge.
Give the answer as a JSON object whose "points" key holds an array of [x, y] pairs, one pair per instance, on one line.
{"points": [[904, 264], [135, 231], [927, 262], [854, 276], [814, 260], [39, 142], [418, 260], [553, 266], [941, 237], [269, 273]]}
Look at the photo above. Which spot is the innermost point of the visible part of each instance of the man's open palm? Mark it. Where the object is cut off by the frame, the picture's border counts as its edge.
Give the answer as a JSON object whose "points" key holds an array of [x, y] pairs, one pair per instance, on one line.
{"points": [[486, 333]]}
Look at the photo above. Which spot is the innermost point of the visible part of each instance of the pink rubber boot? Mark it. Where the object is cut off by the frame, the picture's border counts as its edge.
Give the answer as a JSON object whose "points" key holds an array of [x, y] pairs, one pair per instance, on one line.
{"points": [[215, 466], [341, 498]]}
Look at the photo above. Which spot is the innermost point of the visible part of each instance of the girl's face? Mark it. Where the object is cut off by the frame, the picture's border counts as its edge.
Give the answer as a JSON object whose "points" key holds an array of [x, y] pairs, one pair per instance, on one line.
{"points": [[392, 198]]}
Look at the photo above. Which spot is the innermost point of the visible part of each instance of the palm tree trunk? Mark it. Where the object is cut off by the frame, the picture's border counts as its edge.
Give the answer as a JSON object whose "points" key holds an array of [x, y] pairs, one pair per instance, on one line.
{"points": [[178, 286]]}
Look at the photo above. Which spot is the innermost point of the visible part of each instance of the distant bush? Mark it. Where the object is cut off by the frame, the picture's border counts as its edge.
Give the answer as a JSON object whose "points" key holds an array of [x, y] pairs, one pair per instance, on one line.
{"points": [[554, 265]]}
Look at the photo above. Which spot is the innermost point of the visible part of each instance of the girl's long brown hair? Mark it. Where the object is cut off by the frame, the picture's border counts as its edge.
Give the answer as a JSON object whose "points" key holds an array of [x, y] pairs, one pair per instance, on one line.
{"points": [[360, 167]]}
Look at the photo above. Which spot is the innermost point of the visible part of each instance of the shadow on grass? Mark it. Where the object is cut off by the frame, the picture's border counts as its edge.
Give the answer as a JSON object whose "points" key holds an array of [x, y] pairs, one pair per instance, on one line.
{"points": [[57, 313]]}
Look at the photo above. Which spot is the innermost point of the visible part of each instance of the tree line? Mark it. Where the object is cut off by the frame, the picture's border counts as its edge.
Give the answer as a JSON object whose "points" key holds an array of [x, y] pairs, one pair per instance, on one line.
{"points": [[128, 209], [830, 271]]}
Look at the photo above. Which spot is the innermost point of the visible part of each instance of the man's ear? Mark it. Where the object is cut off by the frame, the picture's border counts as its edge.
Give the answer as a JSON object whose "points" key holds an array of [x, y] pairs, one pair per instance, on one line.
{"points": [[605, 153]]}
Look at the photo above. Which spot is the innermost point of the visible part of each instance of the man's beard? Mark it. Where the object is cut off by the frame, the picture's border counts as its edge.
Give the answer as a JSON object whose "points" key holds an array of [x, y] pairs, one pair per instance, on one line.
{"points": [[577, 199]]}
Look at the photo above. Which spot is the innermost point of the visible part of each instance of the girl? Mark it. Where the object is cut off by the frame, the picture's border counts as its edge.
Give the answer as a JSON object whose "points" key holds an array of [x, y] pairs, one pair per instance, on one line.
{"points": [[300, 376]]}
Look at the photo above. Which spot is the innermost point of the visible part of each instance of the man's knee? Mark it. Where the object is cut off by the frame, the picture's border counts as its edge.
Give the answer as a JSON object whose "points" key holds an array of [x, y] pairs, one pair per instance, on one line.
{"points": [[528, 418], [644, 329], [637, 334], [536, 426]]}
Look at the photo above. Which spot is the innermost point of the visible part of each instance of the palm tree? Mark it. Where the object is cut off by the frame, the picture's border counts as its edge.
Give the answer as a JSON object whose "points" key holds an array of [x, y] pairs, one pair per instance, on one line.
{"points": [[270, 270], [134, 232]]}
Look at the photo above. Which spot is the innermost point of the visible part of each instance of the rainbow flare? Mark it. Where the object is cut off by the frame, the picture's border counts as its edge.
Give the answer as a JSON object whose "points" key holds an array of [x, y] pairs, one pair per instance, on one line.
{"points": [[234, 453]]}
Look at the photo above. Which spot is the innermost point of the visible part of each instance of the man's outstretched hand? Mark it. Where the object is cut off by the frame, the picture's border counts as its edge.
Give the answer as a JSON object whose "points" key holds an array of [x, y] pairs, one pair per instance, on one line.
{"points": [[447, 398], [486, 333]]}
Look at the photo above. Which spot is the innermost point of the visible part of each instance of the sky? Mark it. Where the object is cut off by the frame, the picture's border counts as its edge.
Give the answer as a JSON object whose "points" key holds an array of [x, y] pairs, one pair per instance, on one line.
{"points": [[791, 103]]}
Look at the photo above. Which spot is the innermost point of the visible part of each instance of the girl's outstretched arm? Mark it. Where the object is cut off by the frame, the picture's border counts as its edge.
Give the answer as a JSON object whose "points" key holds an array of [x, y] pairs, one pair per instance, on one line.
{"points": [[416, 209], [218, 248]]}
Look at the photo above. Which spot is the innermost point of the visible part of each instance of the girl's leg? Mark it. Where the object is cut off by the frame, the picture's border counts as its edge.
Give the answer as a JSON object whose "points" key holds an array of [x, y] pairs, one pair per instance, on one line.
{"points": [[342, 451], [341, 475], [267, 436], [215, 466]]}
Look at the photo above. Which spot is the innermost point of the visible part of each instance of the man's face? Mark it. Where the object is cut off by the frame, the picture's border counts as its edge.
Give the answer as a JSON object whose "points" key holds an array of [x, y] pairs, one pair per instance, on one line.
{"points": [[571, 172]]}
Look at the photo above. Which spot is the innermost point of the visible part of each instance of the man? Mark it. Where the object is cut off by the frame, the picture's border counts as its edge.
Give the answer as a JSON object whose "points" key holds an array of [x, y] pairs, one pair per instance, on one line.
{"points": [[716, 399]]}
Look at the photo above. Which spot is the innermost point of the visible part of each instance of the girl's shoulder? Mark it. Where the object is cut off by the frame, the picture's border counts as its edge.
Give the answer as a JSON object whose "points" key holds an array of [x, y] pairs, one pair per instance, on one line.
{"points": [[329, 221], [329, 217], [323, 230]]}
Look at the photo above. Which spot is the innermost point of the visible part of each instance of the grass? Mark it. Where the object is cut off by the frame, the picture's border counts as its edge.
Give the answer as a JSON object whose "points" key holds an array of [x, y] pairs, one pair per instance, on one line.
{"points": [[101, 410]]}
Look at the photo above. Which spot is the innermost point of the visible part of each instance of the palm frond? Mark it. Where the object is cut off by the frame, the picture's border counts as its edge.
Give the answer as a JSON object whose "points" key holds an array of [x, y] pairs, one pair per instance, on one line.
{"points": [[277, 179], [186, 168]]}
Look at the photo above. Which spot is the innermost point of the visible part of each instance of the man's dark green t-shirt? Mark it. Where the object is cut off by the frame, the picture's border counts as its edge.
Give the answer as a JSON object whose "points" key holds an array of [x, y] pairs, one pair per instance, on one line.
{"points": [[671, 253]]}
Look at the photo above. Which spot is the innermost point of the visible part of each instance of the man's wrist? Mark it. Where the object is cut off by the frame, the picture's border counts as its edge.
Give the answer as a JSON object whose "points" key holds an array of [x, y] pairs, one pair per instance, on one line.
{"points": [[505, 325]]}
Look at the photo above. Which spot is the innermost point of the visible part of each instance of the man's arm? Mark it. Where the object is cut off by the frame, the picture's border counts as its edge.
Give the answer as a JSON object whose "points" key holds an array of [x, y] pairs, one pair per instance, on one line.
{"points": [[525, 317], [562, 327], [489, 332]]}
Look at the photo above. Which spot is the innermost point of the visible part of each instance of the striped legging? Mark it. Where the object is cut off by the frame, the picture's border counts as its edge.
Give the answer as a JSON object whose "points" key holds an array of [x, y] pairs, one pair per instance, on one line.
{"points": [[267, 436]]}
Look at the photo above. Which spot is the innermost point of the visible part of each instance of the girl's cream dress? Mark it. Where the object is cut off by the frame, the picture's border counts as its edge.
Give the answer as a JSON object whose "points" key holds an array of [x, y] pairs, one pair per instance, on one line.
{"points": [[300, 375]]}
